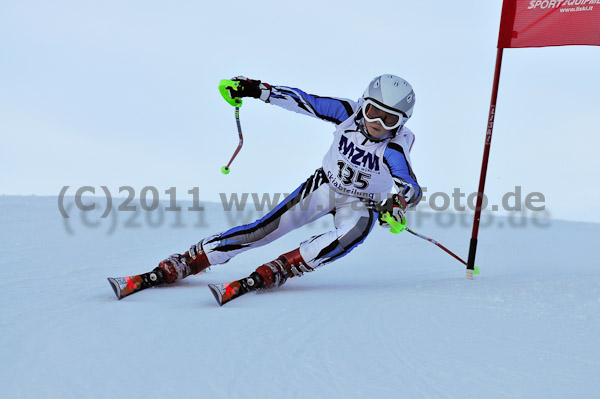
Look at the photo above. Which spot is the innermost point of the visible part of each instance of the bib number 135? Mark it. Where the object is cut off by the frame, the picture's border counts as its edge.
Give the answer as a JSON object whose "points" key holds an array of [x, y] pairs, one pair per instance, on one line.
{"points": [[350, 177]]}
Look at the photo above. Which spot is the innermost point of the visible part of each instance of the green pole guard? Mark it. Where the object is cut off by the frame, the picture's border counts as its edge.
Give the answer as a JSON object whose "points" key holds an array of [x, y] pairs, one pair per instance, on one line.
{"points": [[223, 89], [225, 170], [396, 227], [475, 270]]}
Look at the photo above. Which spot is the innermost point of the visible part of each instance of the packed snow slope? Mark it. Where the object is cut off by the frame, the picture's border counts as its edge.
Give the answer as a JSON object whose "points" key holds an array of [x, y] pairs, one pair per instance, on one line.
{"points": [[395, 318]]}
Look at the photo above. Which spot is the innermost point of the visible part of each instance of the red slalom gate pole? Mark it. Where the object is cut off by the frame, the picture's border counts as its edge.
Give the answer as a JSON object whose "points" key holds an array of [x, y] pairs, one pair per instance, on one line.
{"points": [[484, 165]]}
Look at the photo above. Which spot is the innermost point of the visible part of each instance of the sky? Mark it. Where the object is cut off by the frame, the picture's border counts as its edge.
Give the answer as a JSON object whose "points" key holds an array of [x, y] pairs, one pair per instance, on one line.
{"points": [[125, 94]]}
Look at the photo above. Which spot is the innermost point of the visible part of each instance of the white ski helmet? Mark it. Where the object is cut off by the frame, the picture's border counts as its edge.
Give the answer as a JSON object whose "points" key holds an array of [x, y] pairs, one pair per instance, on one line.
{"points": [[393, 95]]}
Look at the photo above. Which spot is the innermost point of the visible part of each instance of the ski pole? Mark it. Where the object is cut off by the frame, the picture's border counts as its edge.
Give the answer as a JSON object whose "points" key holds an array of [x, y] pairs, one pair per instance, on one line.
{"points": [[398, 227], [224, 86], [225, 169]]}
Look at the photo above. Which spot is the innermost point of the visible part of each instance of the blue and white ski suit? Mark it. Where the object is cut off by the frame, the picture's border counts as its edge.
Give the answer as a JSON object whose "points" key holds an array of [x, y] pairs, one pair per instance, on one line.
{"points": [[355, 172]]}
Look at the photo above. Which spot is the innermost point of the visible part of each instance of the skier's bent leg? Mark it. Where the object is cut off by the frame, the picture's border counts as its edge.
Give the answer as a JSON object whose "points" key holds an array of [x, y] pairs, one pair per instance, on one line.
{"points": [[306, 204], [352, 228]]}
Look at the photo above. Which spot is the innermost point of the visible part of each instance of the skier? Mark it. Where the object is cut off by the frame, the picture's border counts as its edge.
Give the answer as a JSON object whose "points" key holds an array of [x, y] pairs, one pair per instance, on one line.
{"points": [[366, 172]]}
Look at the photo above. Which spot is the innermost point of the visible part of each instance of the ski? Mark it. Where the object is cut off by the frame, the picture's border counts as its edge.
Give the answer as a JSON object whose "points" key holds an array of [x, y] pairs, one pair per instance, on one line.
{"points": [[226, 292], [125, 286]]}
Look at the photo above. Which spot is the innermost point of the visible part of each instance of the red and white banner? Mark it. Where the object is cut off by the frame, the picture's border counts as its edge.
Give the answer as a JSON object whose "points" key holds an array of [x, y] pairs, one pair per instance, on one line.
{"points": [[540, 23]]}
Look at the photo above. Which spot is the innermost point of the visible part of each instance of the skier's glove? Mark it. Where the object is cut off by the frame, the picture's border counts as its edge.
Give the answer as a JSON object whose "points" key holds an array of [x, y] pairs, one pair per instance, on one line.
{"points": [[250, 88], [396, 206]]}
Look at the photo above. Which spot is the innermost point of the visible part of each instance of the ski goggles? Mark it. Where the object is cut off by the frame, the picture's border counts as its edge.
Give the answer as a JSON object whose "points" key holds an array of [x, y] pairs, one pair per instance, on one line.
{"points": [[373, 112]]}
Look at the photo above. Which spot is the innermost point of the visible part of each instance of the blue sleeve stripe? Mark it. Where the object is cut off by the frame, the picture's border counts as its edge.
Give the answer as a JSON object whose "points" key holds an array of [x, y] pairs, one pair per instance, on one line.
{"points": [[340, 109], [395, 159], [326, 108], [394, 153]]}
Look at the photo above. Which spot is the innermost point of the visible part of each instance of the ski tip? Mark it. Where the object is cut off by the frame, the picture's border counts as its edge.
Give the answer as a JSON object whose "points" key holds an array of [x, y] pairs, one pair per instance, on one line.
{"points": [[115, 286], [216, 293]]}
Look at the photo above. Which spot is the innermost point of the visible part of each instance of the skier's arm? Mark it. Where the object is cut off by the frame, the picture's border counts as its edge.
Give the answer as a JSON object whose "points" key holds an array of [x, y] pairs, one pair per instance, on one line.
{"points": [[331, 109], [396, 160]]}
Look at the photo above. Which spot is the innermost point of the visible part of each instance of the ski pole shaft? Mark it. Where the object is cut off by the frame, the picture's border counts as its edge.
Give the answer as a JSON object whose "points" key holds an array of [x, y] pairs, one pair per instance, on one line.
{"points": [[431, 240], [225, 169]]}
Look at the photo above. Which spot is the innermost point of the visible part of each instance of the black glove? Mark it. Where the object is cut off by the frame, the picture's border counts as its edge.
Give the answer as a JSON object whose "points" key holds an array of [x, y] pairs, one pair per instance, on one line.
{"points": [[250, 88], [396, 206]]}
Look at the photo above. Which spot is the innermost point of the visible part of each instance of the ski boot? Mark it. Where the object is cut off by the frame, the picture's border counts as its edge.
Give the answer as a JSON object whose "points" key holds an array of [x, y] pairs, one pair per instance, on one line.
{"points": [[269, 275], [170, 270]]}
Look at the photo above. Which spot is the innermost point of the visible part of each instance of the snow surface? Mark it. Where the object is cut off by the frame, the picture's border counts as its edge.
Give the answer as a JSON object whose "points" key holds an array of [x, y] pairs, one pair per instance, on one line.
{"points": [[395, 318]]}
